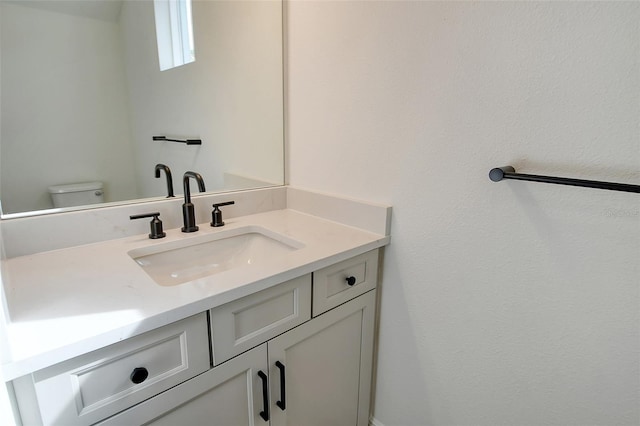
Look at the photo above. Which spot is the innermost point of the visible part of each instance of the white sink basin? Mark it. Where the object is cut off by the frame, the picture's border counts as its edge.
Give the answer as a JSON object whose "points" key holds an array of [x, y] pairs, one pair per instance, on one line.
{"points": [[181, 261]]}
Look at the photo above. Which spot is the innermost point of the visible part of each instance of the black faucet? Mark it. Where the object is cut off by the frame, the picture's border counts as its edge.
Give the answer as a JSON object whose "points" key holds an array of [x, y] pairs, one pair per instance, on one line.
{"points": [[188, 214], [167, 172]]}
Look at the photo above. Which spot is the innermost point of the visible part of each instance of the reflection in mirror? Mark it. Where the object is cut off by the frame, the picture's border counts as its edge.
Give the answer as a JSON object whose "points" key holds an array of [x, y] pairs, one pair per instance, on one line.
{"points": [[83, 95], [174, 31]]}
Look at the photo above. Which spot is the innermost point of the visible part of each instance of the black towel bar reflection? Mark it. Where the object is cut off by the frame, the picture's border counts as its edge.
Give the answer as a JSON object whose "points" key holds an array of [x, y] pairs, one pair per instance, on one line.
{"points": [[187, 141], [509, 172]]}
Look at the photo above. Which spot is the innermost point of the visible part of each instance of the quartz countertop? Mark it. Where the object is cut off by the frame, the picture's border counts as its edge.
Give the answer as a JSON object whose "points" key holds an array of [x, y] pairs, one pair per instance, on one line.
{"points": [[63, 303]]}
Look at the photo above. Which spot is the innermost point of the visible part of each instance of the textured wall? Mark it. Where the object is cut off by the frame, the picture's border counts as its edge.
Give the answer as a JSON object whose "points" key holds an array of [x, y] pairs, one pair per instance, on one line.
{"points": [[503, 303]]}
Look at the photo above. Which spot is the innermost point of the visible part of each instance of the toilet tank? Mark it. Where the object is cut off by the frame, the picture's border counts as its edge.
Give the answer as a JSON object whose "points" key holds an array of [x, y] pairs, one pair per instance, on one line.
{"points": [[76, 194]]}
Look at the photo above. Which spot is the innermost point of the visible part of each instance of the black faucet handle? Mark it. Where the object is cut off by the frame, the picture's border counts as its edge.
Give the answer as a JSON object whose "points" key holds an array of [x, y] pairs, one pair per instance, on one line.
{"points": [[155, 224], [216, 214]]}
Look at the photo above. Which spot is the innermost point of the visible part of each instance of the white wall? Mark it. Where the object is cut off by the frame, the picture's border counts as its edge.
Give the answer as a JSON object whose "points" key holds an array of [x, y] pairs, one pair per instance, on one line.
{"points": [[62, 89], [502, 303], [230, 97]]}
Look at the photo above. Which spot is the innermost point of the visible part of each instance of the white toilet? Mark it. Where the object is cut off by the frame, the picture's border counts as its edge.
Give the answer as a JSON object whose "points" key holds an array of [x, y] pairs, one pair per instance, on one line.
{"points": [[76, 194]]}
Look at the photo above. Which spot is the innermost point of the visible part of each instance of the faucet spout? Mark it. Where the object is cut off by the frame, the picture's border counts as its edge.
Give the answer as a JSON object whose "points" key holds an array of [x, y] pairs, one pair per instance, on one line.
{"points": [[188, 211], [185, 184], [167, 172]]}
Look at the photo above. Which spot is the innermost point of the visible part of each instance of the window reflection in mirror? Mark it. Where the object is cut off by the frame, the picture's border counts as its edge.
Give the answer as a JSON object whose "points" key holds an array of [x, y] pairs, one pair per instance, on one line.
{"points": [[174, 32]]}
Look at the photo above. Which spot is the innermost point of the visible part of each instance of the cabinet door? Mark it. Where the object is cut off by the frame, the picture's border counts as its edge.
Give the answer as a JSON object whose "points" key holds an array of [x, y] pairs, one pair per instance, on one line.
{"points": [[327, 366], [228, 395]]}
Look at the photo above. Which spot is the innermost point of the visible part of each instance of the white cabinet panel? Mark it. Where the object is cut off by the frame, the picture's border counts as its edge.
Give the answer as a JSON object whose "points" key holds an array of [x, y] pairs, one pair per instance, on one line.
{"points": [[229, 395], [327, 365], [244, 323], [343, 281], [91, 387]]}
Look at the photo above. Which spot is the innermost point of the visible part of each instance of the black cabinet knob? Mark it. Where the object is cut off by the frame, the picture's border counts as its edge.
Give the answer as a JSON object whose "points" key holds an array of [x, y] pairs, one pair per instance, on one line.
{"points": [[351, 280], [139, 375]]}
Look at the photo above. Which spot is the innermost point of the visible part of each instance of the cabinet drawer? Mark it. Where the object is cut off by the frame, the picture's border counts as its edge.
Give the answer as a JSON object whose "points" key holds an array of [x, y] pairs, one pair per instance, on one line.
{"points": [[244, 323], [339, 283], [228, 395], [94, 386]]}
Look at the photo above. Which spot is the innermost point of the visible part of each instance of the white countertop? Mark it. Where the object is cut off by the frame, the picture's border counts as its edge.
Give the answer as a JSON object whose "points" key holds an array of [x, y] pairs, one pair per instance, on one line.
{"points": [[67, 302]]}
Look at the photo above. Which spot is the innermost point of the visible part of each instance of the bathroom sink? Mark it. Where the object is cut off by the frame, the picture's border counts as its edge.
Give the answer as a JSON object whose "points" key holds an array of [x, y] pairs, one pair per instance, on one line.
{"points": [[181, 261]]}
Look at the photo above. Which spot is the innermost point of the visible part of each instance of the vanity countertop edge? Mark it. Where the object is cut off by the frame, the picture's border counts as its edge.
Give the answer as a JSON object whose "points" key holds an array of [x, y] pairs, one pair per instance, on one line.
{"points": [[64, 303]]}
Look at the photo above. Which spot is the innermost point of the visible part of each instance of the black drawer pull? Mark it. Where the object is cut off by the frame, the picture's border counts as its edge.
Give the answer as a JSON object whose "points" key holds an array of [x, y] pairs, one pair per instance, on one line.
{"points": [[139, 375], [351, 280], [265, 396], [283, 395]]}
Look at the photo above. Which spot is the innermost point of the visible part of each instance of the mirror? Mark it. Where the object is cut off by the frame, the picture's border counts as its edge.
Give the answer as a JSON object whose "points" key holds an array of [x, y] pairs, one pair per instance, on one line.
{"points": [[82, 97]]}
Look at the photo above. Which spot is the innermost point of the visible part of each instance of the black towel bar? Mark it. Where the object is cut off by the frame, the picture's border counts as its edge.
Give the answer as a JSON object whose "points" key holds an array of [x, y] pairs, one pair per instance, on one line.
{"points": [[509, 172], [187, 141]]}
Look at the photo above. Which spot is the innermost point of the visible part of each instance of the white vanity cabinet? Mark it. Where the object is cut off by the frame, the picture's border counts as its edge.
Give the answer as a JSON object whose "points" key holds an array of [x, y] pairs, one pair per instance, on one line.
{"points": [[271, 362], [317, 374]]}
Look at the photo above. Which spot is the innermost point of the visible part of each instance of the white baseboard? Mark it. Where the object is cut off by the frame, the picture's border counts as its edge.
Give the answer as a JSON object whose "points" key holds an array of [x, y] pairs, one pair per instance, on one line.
{"points": [[374, 422]]}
